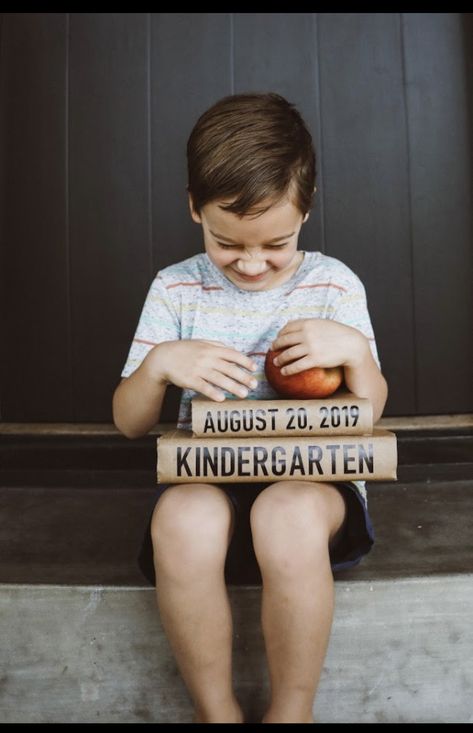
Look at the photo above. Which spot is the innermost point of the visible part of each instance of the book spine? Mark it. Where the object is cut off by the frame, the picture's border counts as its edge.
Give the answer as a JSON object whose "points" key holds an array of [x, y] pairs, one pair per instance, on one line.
{"points": [[259, 418], [188, 459]]}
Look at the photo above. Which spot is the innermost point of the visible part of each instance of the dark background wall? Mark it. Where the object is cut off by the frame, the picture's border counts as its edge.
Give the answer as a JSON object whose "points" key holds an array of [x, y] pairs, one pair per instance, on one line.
{"points": [[95, 113]]}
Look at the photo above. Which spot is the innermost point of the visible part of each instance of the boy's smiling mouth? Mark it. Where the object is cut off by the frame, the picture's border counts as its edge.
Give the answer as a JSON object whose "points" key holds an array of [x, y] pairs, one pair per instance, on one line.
{"points": [[250, 278]]}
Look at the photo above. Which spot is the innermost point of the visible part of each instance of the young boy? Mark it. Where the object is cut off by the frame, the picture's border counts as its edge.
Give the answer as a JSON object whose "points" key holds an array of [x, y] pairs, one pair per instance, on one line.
{"points": [[206, 326]]}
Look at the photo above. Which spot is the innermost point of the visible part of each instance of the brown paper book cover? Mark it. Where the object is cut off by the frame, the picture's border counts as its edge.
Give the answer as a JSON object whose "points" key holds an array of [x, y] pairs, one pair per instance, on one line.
{"points": [[342, 414], [183, 458]]}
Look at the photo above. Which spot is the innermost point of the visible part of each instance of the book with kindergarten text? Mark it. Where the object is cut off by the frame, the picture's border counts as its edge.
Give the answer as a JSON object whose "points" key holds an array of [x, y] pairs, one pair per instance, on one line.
{"points": [[183, 458]]}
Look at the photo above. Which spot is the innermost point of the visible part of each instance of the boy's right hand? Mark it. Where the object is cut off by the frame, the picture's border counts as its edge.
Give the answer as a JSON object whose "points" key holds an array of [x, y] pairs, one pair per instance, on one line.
{"points": [[203, 366]]}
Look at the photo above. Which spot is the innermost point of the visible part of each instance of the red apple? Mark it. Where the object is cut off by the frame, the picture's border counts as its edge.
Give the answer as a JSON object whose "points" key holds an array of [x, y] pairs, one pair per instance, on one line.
{"points": [[307, 385]]}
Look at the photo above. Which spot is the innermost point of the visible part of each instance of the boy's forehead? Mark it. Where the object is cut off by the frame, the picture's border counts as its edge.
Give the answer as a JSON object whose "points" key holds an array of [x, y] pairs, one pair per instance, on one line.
{"points": [[280, 217]]}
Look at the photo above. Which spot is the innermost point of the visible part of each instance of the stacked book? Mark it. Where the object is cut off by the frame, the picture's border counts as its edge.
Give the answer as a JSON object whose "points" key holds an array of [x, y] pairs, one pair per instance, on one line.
{"points": [[330, 439]]}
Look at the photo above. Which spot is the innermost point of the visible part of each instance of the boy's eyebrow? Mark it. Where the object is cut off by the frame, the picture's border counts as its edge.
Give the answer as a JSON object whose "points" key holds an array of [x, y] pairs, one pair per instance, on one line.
{"points": [[231, 241]]}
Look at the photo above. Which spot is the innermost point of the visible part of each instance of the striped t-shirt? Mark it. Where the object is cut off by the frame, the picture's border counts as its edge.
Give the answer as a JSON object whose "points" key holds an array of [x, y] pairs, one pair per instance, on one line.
{"points": [[194, 300]]}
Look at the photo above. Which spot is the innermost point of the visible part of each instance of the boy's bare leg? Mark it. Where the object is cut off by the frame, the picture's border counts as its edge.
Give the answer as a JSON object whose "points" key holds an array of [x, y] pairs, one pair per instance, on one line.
{"points": [[292, 524], [191, 529]]}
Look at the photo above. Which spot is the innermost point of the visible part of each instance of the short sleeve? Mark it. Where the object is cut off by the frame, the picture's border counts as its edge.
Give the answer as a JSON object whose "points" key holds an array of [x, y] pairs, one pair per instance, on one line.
{"points": [[351, 308], [158, 322]]}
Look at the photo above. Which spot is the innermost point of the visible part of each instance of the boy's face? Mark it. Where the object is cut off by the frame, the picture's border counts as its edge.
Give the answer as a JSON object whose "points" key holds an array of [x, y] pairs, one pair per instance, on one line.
{"points": [[254, 253]]}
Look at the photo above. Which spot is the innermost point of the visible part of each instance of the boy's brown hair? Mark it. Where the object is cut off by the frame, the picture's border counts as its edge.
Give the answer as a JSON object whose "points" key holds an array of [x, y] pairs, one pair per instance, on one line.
{"points": [[250, 148]]}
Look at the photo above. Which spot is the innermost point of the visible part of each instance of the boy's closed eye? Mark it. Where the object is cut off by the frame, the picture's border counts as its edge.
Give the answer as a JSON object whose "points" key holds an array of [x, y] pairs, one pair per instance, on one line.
{"points": [[238, 246]]}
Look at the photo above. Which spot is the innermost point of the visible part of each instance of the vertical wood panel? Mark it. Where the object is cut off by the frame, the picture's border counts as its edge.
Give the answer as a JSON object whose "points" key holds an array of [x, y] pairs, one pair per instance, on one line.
{"points": [[95, 112], [35, 369], [3, 138], [110, 249], [190, 70], [441, 172], [366, 179], [276, 52]]}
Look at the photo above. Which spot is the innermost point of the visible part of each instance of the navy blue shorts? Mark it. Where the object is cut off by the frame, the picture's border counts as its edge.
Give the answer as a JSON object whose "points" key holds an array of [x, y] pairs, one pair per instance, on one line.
{"points": [[241, 566]]}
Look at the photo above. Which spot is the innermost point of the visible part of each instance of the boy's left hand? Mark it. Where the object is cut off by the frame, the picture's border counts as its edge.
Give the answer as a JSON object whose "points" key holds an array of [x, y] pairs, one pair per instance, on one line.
{"points": [[318, 342]]}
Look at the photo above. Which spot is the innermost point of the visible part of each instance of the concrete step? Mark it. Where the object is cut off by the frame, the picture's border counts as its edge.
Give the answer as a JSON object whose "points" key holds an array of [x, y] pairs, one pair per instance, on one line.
{"points": [[400, 652]]}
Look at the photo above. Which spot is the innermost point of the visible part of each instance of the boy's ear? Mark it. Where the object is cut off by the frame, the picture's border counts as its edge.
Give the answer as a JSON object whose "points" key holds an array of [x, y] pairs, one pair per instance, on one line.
{"points": [[307, 215], [194, 214]]}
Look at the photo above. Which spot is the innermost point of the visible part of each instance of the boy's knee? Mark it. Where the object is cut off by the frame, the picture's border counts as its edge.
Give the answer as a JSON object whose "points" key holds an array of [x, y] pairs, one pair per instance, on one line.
{"points": [[289, 520], [194, 515], [293, 505]]}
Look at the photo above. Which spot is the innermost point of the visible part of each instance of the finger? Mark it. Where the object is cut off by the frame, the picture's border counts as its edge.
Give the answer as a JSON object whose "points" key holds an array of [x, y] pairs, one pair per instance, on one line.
{"points": [[215, 343], [208, 390], [236, 357], [297, 366], [232, 355], [294, 325], [290, 354], [228, 384], [238, 375], [287, 339]]}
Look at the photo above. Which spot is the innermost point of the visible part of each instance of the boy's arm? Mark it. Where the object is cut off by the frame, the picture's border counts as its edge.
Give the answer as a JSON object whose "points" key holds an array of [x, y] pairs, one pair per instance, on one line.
{"points": [[208, 367], [364, 379], [138, 399]]}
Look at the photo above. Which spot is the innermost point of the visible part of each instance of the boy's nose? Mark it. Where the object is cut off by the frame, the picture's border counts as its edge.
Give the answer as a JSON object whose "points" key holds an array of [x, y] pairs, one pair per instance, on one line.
{"points": [[251, 267]]}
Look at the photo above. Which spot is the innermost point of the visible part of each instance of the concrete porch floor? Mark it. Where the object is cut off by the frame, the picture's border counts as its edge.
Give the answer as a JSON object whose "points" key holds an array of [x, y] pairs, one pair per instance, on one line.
{"points": [[400, 652], [82, 641]]}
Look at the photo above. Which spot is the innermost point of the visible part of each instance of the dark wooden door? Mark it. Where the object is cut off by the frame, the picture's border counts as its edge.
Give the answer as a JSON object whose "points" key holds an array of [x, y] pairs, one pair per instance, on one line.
{"points": [[96, 109]]}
